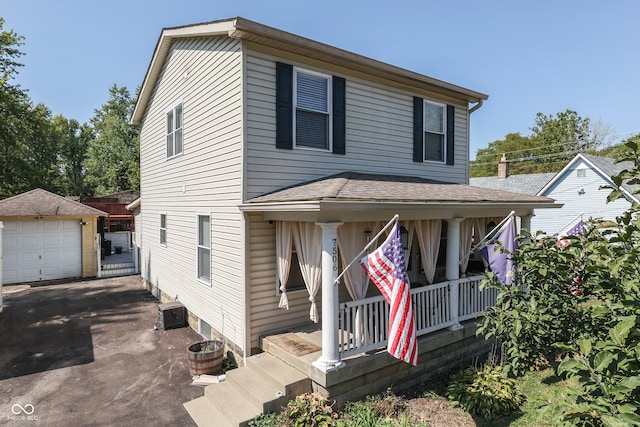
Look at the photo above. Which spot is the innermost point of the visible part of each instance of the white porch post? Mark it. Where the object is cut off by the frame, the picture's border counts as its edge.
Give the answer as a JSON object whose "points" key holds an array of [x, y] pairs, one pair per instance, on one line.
{"points": [[99, 272], [525, 222], [330, 358], [453, 267]]}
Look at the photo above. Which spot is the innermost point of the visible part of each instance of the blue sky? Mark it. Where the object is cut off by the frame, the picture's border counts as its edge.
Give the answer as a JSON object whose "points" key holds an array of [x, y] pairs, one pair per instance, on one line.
{"points": [[529, 57]]}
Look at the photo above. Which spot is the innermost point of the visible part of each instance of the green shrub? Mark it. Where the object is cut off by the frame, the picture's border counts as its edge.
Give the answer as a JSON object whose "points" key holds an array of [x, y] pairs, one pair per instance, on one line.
{"points": [[361, 414], [311, 410], [266, 420], [487, 392]]}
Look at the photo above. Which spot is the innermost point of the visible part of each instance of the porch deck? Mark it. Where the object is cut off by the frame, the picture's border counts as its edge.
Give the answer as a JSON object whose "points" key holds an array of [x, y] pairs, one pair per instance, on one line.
{"points": [[445, 314]]}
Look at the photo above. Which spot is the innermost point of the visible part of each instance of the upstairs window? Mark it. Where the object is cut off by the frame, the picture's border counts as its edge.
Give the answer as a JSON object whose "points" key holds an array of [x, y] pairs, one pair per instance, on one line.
{"points": [[434, 132], [312, 113], [174, 131], [310, 110]]}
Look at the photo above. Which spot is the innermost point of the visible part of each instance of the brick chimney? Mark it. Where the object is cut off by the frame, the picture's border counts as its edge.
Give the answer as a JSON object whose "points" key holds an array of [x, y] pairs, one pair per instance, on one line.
{"points": [[503, 167]]}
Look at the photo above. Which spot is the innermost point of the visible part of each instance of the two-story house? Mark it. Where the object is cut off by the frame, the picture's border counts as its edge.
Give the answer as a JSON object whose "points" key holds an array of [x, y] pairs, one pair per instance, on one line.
{"points": [[269, 160]]}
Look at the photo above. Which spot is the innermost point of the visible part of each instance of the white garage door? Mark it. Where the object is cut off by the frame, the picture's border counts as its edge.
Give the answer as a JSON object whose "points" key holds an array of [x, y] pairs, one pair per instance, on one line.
{"points": [[41, 250]]}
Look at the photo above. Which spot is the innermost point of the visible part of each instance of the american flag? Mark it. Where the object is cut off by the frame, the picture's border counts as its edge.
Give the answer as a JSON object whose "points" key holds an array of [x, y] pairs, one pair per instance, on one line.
{"points": [[573, 231], [386, 268]]}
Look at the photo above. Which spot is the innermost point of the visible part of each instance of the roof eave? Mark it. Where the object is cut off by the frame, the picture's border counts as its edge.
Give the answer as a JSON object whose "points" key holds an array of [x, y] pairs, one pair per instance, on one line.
{"points": [[245, 29], [352, 210]]}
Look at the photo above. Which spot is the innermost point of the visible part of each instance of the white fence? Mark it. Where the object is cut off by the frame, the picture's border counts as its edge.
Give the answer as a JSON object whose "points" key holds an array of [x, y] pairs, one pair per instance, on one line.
{"points": [[364, 323]]}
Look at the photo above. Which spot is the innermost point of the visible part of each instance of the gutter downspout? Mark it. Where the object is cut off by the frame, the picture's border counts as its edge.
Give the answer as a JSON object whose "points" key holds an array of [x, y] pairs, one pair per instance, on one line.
{"points": [[471, 110], [477, 106]]}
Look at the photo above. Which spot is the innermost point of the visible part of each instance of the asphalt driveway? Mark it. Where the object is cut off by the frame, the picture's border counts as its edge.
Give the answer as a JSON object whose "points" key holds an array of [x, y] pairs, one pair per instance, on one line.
{"points": [[86, 354]]}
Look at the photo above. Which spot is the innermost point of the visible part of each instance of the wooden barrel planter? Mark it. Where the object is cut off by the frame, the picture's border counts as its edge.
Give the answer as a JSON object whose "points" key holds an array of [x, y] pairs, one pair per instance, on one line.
{"points": [[205, 357]]}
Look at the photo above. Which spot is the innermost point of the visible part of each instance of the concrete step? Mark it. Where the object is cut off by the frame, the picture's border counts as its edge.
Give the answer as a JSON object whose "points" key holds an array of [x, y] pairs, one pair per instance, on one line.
{"points": [[280, 374], [118, 269], [261, 393], [204, 414], [266, 384]]}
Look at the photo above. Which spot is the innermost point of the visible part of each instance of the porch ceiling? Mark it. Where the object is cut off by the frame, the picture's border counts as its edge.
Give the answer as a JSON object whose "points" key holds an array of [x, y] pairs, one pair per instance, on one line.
{"points": [[354, 196]]}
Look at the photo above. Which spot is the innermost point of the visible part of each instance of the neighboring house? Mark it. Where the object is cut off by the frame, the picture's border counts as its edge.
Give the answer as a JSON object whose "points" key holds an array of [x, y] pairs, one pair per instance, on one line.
{"points": [[577, 187], [269, 160], [48, 237]]}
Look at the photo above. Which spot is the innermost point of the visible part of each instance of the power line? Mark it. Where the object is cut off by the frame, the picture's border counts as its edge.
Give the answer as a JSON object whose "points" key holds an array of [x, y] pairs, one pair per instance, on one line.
{"points": [[526, 159]]}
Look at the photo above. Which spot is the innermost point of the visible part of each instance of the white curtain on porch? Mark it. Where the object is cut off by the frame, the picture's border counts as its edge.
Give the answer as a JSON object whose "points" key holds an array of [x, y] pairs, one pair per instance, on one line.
{"points": [[411, 229], [352, 238], [283, 254], [428, 232], [468, 228], [307, 237]]}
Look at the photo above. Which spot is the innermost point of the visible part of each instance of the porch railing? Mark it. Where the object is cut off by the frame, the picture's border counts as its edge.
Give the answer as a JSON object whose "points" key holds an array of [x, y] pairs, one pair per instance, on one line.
{"points": [[364, 323]]}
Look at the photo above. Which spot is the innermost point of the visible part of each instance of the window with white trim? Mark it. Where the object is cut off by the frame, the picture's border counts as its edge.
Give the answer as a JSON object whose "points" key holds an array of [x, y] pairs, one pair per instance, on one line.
{"points": [[435, 131], [312, 101], [163, 229], [174, 131], [204, 248]]}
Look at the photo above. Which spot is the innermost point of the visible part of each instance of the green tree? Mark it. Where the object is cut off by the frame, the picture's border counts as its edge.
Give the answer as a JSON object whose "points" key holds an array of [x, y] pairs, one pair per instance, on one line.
{"points": [[486, 163], [42, 143], [618, 152], [553, 142], [581, 306], [113, 159], [14, 109], [74, 143]]}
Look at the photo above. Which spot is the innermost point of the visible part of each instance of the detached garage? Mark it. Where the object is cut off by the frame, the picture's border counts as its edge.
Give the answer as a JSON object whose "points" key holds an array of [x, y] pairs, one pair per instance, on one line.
{"points": [[47, 237]]}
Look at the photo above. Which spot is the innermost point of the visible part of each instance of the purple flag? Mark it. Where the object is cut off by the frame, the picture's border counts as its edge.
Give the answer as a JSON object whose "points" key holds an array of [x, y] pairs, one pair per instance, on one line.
{"points": [[501, 263]]}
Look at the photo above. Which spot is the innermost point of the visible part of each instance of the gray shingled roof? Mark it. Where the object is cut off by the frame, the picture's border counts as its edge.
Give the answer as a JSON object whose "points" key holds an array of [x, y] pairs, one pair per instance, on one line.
{"points": [[610, 168], [371, 187], [530, 183], [40, 202]]}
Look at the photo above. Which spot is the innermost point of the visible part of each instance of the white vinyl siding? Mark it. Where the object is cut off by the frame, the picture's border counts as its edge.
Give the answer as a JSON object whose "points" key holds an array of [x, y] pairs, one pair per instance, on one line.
{"points": [[578, 194], [379, 135], [265, 315], [312, 118], [205, 75]]}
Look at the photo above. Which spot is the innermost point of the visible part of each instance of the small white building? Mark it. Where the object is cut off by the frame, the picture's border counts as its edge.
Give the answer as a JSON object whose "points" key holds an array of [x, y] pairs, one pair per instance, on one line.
{"points": [[578, 186]]}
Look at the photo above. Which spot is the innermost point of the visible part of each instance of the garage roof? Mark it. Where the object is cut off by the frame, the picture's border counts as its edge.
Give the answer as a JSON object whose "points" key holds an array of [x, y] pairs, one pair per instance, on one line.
{"points": [[41, 203]]}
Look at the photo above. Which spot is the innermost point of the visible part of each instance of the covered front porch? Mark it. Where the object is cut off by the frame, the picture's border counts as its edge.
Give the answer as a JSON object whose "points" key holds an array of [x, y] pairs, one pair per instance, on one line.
{"points": [[446, 316], [341, 342]]}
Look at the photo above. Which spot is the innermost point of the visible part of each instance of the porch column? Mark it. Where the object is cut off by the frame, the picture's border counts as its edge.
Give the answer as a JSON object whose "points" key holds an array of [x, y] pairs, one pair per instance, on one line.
{"points": [[330, 358], [525, 222], [453, 267]]}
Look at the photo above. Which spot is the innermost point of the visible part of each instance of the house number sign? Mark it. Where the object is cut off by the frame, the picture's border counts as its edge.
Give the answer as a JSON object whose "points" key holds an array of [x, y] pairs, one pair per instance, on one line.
{"points": [[334, 255]]}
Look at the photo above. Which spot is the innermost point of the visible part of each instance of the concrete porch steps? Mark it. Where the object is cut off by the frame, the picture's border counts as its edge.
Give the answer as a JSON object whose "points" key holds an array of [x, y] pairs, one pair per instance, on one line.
{"points": [[265, 384], [118, 269]]}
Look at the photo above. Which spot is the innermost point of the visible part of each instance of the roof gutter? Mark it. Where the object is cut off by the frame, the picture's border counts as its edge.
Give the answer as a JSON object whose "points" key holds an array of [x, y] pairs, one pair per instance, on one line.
{"points": [[477, 106]]}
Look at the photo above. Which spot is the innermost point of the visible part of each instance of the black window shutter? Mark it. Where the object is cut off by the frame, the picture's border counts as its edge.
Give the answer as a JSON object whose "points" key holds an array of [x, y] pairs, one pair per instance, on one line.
{"points": [[339, 110], [418, 129], [450, 134], [284, 106]]}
